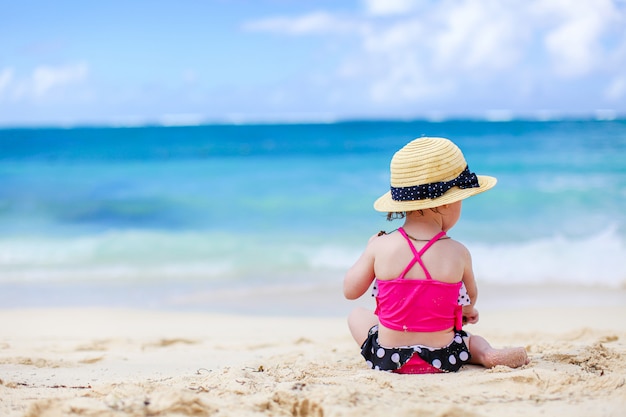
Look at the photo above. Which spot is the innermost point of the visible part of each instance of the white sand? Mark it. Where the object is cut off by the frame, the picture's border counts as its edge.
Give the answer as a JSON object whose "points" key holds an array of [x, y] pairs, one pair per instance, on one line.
{"points": [[95, 362]]}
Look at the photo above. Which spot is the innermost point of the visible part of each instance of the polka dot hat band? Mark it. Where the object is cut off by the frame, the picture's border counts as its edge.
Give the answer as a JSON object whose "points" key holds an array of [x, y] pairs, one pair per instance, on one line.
{"points": [[427, 173]]}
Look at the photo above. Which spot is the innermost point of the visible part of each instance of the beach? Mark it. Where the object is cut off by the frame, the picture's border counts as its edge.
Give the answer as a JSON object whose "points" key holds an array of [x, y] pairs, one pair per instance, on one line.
{"points": [[139, 362], [196, 271]]}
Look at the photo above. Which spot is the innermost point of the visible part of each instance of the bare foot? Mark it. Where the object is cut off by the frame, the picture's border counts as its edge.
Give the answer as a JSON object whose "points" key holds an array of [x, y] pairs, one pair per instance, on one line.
{"points": [[511, 357], [483, 354]]}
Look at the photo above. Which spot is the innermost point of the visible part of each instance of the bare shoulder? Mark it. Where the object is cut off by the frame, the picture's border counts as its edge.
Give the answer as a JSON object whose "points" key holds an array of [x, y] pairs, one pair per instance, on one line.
{"points": [[383, 239], [459, 248], [456, 243], [376, 244], [449, 249]]}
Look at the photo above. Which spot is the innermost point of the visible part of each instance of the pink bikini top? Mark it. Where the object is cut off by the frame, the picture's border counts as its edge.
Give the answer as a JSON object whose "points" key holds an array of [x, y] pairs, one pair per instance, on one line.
{"points": [[418, 305]]}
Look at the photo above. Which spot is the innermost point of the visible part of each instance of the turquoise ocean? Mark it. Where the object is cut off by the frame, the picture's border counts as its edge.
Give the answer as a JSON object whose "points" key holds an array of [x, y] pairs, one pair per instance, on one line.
{"points": [[165, 217]]}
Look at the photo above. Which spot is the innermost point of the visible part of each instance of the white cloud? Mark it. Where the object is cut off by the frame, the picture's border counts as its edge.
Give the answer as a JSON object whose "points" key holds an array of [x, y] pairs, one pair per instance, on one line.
{"points": [[6, 76], [616, 89], [574, 42], [389, 7], [42, 81], [478, 35], [429, 55], [441, 50], [404, 35], [407, 82], [312, 23], [46, 78]]}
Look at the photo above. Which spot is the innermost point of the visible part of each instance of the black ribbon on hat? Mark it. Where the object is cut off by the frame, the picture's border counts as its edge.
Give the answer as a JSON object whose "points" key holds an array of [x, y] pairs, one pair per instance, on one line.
{"points": [[466, 179]]}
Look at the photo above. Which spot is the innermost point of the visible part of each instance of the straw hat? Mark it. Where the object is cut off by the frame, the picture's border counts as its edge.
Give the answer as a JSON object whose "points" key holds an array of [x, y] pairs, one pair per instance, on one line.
{"points": [[430, 172]]}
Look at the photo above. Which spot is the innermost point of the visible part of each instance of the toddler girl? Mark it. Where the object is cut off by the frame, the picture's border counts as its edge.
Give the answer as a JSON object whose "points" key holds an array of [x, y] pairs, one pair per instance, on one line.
{"points": [[424, 283]]}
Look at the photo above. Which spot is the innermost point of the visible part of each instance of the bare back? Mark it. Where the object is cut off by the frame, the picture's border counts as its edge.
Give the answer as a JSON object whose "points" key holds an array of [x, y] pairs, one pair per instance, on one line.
{"points": [[445, 260]]}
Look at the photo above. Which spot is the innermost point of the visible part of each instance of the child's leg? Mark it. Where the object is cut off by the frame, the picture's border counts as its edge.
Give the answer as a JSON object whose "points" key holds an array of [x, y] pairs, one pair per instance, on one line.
{"points": [[485, 355], [360, 321]]}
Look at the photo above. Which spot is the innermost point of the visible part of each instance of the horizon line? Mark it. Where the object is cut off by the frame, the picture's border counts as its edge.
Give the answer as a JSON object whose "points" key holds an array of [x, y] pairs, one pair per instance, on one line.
{"points": [[186, 121]]}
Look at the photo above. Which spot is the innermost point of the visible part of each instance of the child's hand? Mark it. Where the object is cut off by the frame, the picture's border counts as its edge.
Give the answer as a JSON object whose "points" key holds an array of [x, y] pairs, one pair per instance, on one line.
{"points": [[470, 315]]}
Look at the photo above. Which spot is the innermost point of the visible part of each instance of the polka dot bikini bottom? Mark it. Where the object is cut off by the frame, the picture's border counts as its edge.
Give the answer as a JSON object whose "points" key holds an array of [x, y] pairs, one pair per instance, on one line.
{"points": [[447, 359]]}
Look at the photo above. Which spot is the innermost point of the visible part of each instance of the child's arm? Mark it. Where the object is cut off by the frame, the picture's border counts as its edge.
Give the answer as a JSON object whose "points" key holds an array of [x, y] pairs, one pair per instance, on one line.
{"points": [[360, 276], [469, 311]]}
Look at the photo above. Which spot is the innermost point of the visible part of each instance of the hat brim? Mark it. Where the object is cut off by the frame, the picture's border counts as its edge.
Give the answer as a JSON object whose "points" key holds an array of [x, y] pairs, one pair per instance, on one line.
{"points": [[386, 204]]}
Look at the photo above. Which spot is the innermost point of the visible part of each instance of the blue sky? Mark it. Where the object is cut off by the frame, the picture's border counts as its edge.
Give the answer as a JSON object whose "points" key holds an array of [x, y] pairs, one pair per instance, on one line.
{"points": [[187, 62]]}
